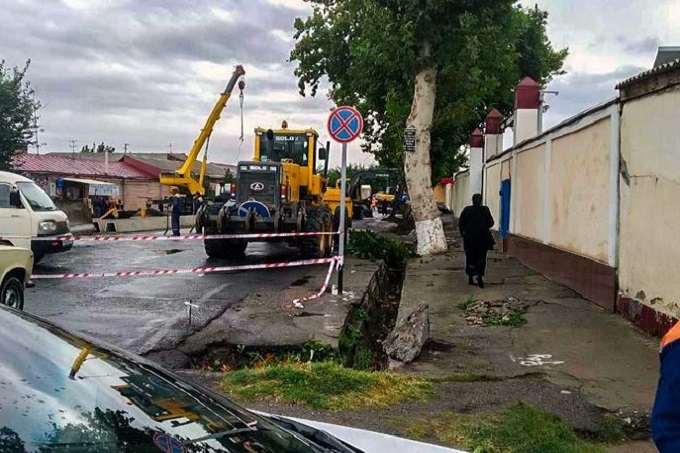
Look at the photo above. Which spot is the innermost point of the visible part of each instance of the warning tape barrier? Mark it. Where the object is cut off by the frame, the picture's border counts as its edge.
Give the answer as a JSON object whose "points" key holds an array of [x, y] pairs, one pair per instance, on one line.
{"points": [[297, 303], [184, 237], [194, 270]]}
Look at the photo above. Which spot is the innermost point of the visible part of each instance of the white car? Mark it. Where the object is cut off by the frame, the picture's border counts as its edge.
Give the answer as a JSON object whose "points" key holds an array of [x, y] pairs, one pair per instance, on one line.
{"points": [[26, 213], [62, 392], [16, 267]]}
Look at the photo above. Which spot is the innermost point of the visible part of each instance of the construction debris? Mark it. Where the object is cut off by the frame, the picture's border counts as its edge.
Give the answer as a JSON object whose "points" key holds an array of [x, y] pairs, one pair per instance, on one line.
{"points": [[507, 312]]}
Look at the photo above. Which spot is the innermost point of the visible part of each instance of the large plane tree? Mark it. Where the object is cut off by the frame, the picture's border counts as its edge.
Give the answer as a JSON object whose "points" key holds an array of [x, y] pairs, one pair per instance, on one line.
{"points": [[435, 65]]}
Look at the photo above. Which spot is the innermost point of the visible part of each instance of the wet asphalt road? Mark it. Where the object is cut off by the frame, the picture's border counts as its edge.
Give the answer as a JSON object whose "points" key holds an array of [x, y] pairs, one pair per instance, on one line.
{"points": [[145, 314]]}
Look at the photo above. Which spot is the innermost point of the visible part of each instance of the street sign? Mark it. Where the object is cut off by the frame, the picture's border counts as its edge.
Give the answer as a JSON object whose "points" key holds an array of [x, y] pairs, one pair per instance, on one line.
{"points": [[410, 139], [345, 124]]}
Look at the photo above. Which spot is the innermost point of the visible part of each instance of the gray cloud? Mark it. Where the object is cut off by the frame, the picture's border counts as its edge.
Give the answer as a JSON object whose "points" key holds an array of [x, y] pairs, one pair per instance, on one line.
{"points": [[579, 91], [147, 72], [645, 46]]}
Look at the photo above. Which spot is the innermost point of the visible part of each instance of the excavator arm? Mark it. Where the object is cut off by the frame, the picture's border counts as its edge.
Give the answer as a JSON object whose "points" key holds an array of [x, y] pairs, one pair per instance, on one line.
{"points": [[183, 177]]}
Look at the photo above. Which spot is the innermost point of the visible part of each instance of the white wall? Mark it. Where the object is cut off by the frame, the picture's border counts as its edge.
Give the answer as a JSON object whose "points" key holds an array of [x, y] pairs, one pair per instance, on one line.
{"points": [[650, 201]]}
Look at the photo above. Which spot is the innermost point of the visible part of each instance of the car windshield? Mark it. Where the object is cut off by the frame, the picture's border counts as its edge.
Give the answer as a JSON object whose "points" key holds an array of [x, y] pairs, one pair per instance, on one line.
{"points": [[62, 394], [36, 197], [285, 146]]}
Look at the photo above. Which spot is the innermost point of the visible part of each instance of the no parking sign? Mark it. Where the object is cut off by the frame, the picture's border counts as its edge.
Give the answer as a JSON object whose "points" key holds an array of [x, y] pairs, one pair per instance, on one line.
{"points": [[345, 124]]}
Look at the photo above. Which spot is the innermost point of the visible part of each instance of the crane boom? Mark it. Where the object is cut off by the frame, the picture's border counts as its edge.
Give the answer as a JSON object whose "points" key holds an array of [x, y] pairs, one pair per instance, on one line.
{"points": [[182, 177]]}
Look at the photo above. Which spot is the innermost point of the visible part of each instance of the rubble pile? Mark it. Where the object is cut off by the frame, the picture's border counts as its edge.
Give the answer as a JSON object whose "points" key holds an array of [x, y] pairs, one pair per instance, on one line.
{"points": [[506, 312]]}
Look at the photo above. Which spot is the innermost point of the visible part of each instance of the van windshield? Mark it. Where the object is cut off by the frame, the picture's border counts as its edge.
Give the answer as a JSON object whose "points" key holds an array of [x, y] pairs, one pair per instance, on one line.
{"points": [[36, 197]]}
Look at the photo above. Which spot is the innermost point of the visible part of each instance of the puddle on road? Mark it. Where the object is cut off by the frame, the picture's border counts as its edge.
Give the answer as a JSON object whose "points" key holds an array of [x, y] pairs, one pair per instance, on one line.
{"points": [[171, 251], [301, 281]]}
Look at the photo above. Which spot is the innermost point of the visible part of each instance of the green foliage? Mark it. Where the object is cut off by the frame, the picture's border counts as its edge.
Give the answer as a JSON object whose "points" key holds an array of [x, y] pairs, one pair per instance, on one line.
{"points": [[371, 50], [363, 358], [370, 245], [611, 429], [17, 112], [229, 177], [324, 385], [466, 303], [100, 148], [517, 429], [513, 319]]}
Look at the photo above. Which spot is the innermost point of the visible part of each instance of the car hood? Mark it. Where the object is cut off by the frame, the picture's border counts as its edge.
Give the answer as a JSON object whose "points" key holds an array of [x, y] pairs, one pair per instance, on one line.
{"points": [[369, 441]]}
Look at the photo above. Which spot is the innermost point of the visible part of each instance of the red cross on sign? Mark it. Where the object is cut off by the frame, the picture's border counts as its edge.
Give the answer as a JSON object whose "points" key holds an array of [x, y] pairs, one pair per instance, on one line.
{"points": [[345, 124]]}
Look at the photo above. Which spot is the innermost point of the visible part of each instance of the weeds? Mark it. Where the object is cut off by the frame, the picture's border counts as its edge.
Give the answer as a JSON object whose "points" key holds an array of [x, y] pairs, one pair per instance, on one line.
{"points": [[371, 245], [516, 429], [515, 318], [325, 385], [467, 303]]}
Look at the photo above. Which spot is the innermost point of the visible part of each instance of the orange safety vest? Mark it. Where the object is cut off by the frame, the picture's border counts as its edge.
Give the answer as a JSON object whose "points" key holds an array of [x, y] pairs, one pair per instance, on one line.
{"points": [[671, 336]]}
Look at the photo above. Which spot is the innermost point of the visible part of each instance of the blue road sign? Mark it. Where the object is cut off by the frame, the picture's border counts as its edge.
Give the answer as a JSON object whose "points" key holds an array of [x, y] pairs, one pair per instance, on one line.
{"points": [[345, 124], [168, 444]]}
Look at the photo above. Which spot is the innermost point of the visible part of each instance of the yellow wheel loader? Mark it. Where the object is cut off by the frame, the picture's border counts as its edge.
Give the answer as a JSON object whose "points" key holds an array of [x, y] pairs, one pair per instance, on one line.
{"points": [[279, 191]]}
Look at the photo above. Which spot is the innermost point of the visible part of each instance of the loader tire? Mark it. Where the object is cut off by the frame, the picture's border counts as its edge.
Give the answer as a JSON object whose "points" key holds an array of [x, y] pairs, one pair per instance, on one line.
{"points": [[312, 247], [225, 248]]}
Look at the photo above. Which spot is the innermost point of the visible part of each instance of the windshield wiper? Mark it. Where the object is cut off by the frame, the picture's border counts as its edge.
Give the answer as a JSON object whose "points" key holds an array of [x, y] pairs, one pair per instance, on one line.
{"points": [[321, 439], [250, 427]]}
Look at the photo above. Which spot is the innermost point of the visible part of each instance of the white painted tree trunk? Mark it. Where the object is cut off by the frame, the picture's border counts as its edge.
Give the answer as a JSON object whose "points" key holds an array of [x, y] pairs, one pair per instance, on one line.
{"points": [[429, 228]]}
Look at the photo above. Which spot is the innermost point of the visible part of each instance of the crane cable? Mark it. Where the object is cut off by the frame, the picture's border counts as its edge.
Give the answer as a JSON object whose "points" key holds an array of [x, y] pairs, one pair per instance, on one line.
{"points": [[241, 138]]}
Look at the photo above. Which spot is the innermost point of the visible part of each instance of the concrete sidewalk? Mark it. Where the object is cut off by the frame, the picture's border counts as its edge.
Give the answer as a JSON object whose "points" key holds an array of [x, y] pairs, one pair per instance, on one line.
{"points": [[569, 341]]}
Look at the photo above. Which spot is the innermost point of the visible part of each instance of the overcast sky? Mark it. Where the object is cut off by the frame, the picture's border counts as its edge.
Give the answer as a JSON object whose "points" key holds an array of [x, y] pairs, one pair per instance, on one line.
{"points": [[148, 72]]}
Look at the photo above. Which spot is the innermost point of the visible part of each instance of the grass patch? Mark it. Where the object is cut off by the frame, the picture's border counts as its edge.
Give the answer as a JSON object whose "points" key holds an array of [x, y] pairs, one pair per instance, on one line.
{"points": [[467, 377], [611, 429], [513, 319], [325, 385], [467, 303], [516, 429]]}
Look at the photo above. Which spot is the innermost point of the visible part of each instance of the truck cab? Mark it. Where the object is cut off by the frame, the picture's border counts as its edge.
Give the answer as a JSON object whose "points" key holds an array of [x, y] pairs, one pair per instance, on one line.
{"points": [[27, 212]]}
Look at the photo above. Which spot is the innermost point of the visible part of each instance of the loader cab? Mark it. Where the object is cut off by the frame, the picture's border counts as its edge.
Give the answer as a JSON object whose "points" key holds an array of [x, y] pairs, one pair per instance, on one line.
{"points": [[296, 149]]}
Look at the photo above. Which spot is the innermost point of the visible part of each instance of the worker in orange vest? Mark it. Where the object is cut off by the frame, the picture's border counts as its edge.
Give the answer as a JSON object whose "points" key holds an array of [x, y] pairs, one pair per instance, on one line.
{"points": [[666, 411]]}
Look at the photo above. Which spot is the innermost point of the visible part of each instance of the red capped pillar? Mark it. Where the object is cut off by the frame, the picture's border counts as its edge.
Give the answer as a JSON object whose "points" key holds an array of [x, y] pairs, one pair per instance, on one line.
{"points": [[527, 103], [493, 136], [476, 161]]}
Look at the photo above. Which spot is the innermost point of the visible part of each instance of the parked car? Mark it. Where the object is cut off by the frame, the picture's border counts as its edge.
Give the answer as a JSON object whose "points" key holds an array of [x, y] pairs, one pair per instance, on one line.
{"points": [[16, 267], [61, 393], [26, 212]]}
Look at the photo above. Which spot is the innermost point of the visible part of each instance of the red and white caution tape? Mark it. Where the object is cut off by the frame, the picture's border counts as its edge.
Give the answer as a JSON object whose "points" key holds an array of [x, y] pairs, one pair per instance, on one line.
{"points": [[185, 237], [195, 270], [297, 303]]}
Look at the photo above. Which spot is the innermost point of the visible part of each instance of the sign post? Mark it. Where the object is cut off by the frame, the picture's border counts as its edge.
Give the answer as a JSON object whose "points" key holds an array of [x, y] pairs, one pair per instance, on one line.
{"points": [[344, 125]]}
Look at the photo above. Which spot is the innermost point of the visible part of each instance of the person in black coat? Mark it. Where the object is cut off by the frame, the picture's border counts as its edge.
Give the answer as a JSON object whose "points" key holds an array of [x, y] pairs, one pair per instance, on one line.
{"points": [[474, 224]]}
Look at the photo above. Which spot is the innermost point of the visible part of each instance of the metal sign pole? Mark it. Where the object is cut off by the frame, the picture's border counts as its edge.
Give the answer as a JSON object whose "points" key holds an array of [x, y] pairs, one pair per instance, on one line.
{"points": [[343, 233]]}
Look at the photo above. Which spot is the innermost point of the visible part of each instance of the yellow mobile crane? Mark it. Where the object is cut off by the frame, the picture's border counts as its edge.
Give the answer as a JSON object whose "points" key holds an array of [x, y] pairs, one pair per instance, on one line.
{"points": [[183, 177]]}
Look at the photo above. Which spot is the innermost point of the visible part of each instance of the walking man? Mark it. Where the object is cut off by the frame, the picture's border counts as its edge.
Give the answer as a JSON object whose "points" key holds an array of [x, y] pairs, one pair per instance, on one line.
{"points": [[666, 411], [176, 211], [474, 224]]}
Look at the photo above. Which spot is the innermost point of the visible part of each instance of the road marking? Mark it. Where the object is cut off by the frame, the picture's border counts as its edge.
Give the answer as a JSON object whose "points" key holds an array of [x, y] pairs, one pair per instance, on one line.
{"points": [[535, 360]]}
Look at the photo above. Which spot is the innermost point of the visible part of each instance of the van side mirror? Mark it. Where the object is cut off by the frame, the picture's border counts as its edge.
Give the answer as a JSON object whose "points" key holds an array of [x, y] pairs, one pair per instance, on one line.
{"points": [[15, 199], [322, 154]]}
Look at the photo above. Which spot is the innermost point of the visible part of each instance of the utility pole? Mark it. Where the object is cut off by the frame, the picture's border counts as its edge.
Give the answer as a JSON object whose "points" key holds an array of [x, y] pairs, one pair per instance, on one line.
{"points": [[125, 146], [543, 107], [73, 147]]}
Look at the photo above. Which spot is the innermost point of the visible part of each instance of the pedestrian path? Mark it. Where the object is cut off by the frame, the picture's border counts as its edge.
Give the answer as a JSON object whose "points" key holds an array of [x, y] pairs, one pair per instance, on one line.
{"points": [[571, 342]]}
